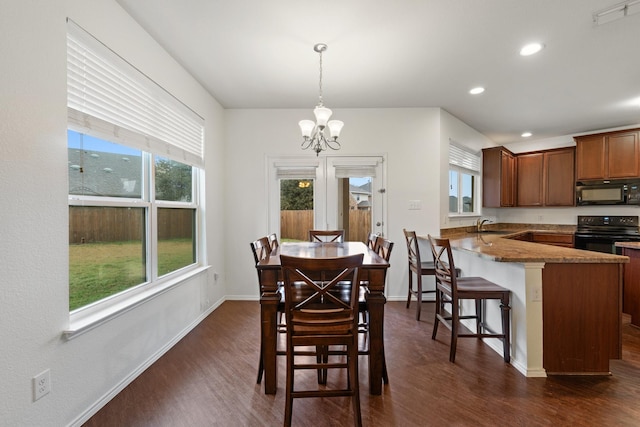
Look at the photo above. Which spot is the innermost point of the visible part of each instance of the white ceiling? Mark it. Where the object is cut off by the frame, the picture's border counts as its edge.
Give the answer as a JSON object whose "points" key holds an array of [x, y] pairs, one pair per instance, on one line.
{"points": [[413, 53]]}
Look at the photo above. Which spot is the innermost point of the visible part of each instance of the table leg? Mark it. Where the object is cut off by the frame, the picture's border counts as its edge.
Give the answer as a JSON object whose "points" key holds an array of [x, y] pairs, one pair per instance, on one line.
{"points": [[375, 304], [268, 322]]}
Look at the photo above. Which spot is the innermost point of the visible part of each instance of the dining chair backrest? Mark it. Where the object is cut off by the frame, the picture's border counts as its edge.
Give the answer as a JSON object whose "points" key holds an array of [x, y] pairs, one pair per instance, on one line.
{"points": [[325, 306], [325, 236], [260, 249], [372, 240], [384, 248], [273, 241]]}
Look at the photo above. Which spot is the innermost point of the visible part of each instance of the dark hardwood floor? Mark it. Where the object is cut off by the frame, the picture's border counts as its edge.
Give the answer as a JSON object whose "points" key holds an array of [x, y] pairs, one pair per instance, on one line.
{"points": [[209, 379]]}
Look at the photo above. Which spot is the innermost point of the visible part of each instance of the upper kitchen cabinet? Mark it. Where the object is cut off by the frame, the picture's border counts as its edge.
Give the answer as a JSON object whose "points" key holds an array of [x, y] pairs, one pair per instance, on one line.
{"points": [[610, 155], [498, 178], [529, 179], [546, 178], [559, 177]]}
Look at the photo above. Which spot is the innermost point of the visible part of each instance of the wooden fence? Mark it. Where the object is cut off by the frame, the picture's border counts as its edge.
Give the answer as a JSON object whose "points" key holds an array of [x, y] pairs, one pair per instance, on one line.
{"points": [[90, 224], [296, 225]]}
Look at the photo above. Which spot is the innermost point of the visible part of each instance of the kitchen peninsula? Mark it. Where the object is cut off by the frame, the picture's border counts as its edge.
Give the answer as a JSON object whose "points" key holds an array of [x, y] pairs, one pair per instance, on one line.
{"points": [[566, 303]]}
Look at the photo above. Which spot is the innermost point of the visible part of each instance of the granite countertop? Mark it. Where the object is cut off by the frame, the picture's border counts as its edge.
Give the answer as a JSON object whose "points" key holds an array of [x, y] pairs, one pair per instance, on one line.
{"points": [[628, 245], [497, 246]]}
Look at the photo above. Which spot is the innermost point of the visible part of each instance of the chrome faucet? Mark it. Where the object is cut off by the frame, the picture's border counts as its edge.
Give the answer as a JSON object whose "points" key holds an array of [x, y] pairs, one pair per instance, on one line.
{"points": [[480, 223]]}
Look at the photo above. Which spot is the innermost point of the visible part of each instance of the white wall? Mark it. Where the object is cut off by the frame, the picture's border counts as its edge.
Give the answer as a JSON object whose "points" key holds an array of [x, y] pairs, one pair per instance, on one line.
{"points": [[409, 138], [34, 220]]}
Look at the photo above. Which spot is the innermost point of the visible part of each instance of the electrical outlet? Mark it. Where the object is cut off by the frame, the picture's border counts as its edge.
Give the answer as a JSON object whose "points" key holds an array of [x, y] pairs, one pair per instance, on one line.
{"points": [[536, 295], [41, 384]]}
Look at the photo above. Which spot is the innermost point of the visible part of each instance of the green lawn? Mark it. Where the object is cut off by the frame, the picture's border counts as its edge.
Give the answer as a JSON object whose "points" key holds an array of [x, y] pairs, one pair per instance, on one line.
{"points": [[97, 270]]}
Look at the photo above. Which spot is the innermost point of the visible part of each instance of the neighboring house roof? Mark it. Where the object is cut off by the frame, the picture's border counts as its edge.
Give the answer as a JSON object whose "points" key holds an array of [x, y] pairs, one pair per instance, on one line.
{"points": [[104, 174], [363, 189]]}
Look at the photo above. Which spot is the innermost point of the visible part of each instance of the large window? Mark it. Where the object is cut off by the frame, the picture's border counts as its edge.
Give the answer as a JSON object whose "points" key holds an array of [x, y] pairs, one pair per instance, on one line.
{"points": [[135, 162], [464, 166], [114, 220]]}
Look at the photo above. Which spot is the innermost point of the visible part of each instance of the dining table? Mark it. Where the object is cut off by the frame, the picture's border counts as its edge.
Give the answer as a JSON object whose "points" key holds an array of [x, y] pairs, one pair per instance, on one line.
{"points": [[372, 277]]}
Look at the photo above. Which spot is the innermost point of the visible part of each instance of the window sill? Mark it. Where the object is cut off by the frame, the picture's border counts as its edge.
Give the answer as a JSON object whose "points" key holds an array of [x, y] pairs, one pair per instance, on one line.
{"points": [[80, 323]]}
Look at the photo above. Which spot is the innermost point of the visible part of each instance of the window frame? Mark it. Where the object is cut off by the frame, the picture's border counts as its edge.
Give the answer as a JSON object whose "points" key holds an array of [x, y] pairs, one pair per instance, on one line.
{"points": [[151, 206], [464, 161], [475, 176]]}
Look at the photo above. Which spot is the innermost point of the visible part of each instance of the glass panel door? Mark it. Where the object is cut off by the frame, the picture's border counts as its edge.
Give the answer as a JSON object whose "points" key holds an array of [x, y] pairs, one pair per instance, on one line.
{"points": [[326, 193], [355, 196], [296, 209]]}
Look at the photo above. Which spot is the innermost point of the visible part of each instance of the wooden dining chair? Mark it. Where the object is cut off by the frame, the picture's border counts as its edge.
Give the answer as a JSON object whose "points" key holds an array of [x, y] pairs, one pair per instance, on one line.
{"points": [[325, 319], [383, 248], [451, 289], [261, 250], [325, 236]]}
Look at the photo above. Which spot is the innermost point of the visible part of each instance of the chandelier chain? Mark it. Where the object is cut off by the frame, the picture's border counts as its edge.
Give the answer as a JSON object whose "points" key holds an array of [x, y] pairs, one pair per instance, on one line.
{"points": [[320, 82]]}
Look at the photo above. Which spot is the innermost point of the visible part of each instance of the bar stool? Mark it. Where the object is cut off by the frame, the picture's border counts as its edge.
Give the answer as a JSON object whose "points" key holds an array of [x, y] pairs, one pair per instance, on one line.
{"points": [[450, 290], [418, 268]]}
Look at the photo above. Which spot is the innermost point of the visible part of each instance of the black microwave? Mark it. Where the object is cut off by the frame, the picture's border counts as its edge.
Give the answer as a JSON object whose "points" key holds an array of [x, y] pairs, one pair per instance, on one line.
{"points": [[612, 192]]}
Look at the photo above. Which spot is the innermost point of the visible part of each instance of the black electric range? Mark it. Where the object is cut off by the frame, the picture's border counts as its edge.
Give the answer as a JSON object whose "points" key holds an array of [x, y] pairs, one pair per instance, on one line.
{"points": [[599, 233]]}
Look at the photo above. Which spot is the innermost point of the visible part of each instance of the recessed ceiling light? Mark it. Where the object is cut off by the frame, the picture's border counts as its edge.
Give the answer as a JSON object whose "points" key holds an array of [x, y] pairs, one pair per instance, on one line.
{"points": [[530, 49], [526, 134], [476, 90]]}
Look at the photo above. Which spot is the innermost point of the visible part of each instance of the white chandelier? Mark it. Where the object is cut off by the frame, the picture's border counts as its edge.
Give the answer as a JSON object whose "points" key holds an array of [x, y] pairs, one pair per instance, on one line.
{"points": [[313, 133]]}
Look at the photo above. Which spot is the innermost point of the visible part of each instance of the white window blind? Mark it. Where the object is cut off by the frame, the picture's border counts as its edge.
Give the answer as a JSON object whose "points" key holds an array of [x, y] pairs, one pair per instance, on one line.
{"points": [[356, 167], [463, 157], [109, 98], [293, 172]]}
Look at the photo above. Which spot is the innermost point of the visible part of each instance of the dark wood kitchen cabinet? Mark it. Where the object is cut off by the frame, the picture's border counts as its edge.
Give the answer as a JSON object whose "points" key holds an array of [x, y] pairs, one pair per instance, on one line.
{"points": [[631, 293], [565, 240], [530, 179], [498, 178], [611, 155], [559, 178], [546, 178]]}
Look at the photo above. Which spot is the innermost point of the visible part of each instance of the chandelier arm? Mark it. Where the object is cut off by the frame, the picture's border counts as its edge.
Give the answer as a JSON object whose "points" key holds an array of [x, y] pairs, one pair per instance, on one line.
{"points": [[333, 144], [306, 143]]}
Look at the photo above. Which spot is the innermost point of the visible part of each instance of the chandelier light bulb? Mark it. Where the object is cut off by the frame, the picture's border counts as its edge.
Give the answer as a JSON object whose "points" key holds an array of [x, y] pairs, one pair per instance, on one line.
{"points": [[335, 126], [306, 127], [322, 115]]}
